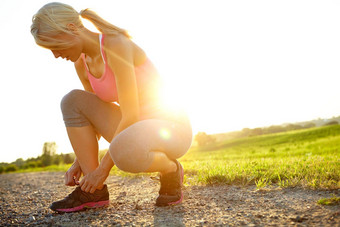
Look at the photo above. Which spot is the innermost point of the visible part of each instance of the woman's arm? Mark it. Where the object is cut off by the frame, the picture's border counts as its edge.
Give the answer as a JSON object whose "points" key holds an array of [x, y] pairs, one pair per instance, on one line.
{"points": [[120, 59], [119, 54], [80, 68]]}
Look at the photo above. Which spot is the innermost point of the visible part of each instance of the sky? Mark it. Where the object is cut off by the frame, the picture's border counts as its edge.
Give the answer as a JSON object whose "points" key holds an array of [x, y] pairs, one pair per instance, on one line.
{"points": [[233, 64]]}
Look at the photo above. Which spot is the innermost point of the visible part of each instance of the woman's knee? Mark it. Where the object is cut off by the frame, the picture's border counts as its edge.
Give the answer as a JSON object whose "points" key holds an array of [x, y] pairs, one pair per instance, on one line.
{"points": [[71, 109], [70, 99], [129, 155]]}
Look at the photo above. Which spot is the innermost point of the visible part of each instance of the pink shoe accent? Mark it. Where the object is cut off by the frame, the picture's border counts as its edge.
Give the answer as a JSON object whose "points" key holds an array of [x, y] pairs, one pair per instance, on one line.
{"points": [[178, 201], [182, 174], [86, 205]]}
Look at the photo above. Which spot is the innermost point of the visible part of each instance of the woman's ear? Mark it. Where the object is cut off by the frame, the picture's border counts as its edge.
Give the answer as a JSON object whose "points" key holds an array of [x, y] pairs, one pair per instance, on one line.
{"points": [[71, 27]]}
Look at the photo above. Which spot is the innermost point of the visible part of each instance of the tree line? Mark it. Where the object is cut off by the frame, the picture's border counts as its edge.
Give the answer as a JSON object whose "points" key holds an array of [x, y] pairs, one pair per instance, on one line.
{"points": [[202, 139], [47, 158]]}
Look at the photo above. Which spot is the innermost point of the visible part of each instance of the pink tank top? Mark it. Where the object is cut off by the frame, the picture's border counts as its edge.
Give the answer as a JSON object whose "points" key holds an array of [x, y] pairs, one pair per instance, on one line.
{"points": [[104, 87]]}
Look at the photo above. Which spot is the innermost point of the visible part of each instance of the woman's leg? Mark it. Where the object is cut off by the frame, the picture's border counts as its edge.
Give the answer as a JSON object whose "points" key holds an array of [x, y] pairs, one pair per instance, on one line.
{"points": [[151, 146], [85, 115], [161, 163], [85, 145]]}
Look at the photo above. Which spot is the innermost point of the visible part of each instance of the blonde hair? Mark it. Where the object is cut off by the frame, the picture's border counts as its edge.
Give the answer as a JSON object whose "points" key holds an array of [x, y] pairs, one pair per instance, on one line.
{"points": [[52, 20]]}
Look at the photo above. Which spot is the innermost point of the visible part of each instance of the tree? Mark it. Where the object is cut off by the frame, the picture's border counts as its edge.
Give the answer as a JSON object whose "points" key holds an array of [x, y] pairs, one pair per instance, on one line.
{"points": [[257, 132], [274, 129], [292, 127], [68, 159], [19, 162], [246, 131], [310, 125], [203, 139], [331, 123], [49, 150], [57, 159]]}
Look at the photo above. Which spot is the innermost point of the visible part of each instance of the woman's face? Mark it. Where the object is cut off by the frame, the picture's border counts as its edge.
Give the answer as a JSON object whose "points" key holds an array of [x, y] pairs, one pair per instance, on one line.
{"points": [[71, 53]]}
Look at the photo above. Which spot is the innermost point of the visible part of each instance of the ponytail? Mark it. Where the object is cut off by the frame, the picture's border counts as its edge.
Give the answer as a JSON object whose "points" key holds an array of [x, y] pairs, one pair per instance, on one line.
{"points": [[102, 25]]}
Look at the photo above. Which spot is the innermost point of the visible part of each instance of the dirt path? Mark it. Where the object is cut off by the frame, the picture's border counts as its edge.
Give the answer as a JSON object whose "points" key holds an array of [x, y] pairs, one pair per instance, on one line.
{"points": [[25, 197]]}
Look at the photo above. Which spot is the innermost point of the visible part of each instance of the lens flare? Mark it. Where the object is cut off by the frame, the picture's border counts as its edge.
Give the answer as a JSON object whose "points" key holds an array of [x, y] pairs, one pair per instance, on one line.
{"points": [[165, 133]]}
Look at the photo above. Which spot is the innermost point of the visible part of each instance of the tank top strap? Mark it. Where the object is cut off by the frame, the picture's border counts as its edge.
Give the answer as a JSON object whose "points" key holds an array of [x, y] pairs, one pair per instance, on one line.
{"points": [[101, 43], [86, 67]]}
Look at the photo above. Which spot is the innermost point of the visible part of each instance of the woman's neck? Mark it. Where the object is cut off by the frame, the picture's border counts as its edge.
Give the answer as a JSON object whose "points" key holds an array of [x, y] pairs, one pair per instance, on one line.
{"points": [[91, 45]]}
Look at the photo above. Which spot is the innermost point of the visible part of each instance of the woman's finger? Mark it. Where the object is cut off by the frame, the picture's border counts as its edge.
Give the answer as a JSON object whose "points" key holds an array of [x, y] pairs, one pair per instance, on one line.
{"points": [[78, 174], [67, 179], [83, 187], [75, 180], [81, 183], [87, 188], [93, 189]]}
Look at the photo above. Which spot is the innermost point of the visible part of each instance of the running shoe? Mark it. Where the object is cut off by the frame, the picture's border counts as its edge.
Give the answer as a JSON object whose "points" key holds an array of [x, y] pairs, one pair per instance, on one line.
{"points": [[171, 187], [79, 200]]}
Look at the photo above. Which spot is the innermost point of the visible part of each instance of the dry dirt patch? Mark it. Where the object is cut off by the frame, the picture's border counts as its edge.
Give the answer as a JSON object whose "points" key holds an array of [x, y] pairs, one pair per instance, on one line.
{"points": [[25, 197]]}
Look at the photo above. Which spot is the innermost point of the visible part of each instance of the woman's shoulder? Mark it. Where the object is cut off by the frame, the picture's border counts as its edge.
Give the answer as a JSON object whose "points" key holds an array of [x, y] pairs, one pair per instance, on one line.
{"points": [[116, 42], [122, 45]]}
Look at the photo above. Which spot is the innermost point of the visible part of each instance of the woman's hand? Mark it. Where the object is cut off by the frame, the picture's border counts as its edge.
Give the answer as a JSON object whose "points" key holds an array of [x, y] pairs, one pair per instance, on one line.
{"points": [[73, 174], [93, 180]]}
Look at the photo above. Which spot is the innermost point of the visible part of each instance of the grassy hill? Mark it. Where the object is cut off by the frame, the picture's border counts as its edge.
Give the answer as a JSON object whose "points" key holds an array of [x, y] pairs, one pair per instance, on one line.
{"points": [[308, 158]]}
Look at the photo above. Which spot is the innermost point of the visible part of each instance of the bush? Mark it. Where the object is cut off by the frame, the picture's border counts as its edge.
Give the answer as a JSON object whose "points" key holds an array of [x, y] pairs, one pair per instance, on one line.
{"points": [[67, 158], [2, 169], [31, 164], [331, 123], [58, 159], [203, 139], [310, 125], [11, 168]]}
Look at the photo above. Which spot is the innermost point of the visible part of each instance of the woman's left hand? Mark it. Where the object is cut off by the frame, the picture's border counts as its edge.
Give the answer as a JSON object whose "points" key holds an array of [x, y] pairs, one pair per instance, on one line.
{"points": [[93, 180]]}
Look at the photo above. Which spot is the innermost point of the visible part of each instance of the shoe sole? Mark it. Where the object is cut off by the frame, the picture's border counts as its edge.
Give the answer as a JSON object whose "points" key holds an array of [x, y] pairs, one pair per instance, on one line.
{"points": [[182, 179], [84, 206]]}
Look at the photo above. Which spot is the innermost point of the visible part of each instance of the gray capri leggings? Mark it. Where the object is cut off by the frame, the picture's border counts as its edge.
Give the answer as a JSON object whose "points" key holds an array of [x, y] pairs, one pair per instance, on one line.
{"points": [[131, 150]]}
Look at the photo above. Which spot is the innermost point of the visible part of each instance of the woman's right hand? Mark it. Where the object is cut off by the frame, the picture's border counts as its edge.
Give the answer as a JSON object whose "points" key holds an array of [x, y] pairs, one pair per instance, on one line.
{"points": [[73, 174]]}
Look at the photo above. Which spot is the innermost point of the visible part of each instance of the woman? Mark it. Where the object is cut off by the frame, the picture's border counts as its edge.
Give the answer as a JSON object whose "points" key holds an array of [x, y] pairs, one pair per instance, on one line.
{"points": [[121, 103]]}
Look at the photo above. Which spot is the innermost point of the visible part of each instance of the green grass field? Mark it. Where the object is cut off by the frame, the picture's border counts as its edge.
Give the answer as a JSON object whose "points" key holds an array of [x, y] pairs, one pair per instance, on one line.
{"points": [[308, 158]]}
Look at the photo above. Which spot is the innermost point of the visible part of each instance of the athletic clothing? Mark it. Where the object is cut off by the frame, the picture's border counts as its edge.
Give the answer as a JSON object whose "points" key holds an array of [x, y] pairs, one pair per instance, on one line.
{"points": [[105, 88]]}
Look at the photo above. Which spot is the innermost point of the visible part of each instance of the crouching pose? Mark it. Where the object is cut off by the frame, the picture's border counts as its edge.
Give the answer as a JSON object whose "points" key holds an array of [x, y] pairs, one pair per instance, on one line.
{"points": [[120, 102]]}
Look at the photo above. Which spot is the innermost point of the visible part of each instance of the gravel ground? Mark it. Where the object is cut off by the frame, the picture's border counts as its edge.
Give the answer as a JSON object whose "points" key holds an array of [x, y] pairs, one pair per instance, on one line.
{"points": [[25, 198]]}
